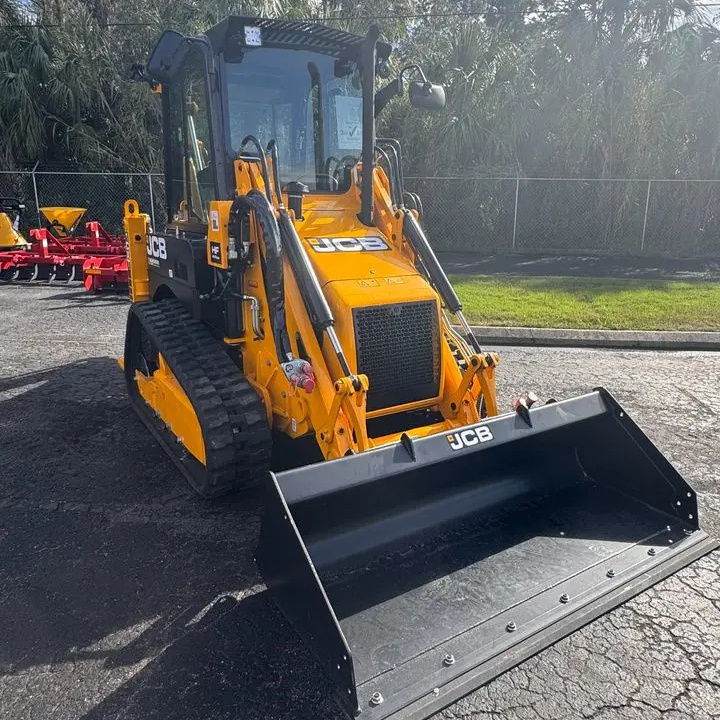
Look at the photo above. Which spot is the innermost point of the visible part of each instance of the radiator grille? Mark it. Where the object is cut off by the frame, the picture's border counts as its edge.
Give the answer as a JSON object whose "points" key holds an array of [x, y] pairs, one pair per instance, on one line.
{"points": [[398, 348]]}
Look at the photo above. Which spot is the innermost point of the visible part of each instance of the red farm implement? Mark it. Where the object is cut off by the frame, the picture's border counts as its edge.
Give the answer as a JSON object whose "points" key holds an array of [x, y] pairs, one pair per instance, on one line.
{"points": [[64, 253], [105, 271]]}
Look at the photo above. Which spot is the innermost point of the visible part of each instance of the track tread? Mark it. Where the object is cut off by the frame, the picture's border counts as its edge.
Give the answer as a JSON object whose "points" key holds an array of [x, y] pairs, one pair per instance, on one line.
{"points": [[231, 414]]}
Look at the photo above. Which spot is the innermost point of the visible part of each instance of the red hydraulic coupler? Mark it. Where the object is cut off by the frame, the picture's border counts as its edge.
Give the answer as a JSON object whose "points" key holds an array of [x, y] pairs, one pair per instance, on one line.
{"points": [[300, 374]]}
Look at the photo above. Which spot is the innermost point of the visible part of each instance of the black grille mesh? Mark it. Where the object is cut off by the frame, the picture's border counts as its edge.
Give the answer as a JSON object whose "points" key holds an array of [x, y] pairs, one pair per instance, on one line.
{"points": [[398, 348]]}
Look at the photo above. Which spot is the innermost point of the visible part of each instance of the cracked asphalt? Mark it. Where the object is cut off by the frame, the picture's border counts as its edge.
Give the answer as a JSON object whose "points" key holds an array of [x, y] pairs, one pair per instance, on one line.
{"points": [[124, 596]]}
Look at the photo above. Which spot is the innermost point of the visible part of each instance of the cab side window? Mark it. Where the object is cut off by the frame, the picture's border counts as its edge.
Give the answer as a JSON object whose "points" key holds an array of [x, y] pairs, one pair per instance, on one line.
{"points": [[192, 172]]}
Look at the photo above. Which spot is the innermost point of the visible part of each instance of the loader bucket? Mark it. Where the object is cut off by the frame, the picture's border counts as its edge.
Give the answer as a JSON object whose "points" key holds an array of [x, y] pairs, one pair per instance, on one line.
{"points": [[63, 218], [417, 572]]}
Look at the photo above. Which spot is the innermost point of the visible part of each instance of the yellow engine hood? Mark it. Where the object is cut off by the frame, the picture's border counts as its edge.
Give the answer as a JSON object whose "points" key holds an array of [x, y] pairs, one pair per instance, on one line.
{"points": [[341, 248], [359, 267]]}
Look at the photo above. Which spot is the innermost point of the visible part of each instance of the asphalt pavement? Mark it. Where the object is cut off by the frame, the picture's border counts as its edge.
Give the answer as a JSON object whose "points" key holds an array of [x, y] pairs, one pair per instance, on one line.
{"points": [[626, 267], [124, 596]]}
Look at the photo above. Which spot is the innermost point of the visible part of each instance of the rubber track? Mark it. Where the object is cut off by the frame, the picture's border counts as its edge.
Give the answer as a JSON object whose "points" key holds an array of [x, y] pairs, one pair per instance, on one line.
{"points": [[231, 414]]}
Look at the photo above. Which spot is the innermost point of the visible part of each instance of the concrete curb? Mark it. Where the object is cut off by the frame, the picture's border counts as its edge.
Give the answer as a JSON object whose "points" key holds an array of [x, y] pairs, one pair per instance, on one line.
{"points": [[615, 339]]}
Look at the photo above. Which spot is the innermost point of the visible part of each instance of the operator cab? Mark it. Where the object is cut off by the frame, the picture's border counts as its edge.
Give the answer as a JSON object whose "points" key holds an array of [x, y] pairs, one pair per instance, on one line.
{"points": [[308, 87], [296, 83]]}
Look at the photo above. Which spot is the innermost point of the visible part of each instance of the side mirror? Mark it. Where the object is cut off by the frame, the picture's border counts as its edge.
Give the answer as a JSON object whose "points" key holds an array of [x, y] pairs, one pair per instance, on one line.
{"points": [[427, 95], [167, 56]]}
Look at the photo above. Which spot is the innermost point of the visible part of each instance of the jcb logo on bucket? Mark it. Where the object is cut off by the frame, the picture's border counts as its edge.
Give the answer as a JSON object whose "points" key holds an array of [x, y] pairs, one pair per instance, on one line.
{"points": [[156, 247], [370, 243], [469, 437]]}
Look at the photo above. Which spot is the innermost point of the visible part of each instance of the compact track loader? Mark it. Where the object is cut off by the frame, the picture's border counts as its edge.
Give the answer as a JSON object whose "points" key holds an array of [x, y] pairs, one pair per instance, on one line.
{"points": [[291, 325]]}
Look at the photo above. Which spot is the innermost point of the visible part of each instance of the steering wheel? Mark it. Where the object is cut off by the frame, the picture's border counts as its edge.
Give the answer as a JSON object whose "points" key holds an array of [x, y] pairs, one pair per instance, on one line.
{"points": [[331, 159], [344, 162]]}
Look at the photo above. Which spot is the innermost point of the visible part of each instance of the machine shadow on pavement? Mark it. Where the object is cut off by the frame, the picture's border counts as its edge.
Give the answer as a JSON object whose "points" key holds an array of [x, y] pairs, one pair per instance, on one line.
{"points": [[75, 294], [243, 662], [82, 297], [111, 564]]}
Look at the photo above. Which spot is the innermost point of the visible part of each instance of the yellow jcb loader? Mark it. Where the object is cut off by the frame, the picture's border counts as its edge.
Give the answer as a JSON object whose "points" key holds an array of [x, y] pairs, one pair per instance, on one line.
{"points": [[291, 325]]}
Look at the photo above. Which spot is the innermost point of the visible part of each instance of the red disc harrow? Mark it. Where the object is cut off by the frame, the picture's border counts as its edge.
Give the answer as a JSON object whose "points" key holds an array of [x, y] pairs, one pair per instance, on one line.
{"points": [[96, 258]]}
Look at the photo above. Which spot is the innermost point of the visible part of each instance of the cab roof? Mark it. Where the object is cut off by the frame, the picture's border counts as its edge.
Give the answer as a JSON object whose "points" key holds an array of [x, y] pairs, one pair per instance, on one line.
{"points": [[290, 34]]}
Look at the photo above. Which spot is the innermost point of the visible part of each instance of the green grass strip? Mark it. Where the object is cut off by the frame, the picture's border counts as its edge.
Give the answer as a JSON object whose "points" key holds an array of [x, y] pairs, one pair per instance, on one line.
{"points": [[592, 303]]}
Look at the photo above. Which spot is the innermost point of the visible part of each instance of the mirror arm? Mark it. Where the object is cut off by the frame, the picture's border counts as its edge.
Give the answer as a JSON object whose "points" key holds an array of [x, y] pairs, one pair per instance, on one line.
{"points": [[387, 93], [138, 74], [397, 87], [418, 69]]}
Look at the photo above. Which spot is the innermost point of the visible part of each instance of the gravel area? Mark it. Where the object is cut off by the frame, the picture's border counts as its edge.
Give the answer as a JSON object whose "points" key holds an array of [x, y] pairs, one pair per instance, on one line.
{"points": [[124, 596]]}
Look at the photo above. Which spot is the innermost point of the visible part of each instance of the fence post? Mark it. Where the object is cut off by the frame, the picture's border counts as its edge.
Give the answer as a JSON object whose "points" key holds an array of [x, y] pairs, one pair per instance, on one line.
{"points": [[152, 201], [647, 205], [37, 199], [517, 192]]}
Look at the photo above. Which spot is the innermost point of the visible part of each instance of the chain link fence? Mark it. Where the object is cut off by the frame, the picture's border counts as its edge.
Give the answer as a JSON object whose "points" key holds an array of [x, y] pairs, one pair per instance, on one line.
{"points": [[485, 215], [103, 194], [467, 214], [618, 216]]}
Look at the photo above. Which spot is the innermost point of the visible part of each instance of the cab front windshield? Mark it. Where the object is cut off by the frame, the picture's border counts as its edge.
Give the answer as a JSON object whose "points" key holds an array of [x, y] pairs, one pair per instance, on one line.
{"points": [[309, 103]]}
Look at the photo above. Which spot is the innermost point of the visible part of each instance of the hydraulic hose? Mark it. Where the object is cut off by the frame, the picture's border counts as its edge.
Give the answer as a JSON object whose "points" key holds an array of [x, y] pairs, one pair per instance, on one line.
{"points": [[272, 149], [257, 203], [262, 159]]}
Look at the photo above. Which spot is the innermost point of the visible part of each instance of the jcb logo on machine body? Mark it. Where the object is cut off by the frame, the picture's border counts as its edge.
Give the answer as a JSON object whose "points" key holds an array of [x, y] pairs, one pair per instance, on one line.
{"points": [[371, 243], [469, 437], [156, 247]]}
